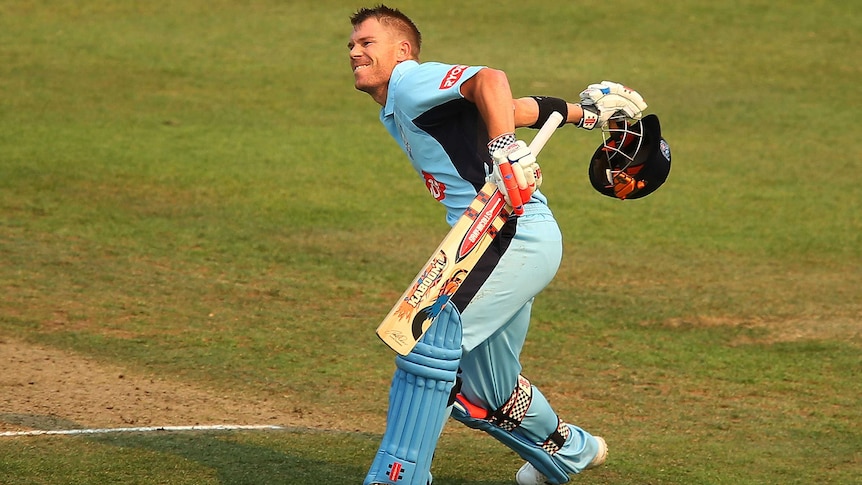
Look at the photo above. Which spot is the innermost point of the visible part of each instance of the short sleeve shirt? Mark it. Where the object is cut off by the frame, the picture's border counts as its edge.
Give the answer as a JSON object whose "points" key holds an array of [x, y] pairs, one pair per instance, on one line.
{"points": [[441, 132]]}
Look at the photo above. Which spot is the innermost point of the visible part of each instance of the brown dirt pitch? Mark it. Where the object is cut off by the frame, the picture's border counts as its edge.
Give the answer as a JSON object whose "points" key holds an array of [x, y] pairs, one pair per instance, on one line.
{"points": [[48, 389]]}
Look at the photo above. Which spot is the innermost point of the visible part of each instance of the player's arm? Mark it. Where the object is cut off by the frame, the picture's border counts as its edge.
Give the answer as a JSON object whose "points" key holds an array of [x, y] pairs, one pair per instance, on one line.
{"points": [[598, 104], [489, 90], [515, 170], [527, 112]]}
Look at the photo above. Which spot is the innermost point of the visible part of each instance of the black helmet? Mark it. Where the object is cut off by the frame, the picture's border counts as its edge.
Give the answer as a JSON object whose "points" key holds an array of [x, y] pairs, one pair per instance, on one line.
{"points": [[637, 149]]}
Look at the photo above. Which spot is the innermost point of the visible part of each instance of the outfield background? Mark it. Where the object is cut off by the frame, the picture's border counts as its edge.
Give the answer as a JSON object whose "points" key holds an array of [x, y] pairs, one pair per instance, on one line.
{"points": [[193, 195]]}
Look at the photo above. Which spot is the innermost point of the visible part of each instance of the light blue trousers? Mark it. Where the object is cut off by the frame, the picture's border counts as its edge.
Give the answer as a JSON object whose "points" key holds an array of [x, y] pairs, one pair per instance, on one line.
{"points": [[495, 324]]}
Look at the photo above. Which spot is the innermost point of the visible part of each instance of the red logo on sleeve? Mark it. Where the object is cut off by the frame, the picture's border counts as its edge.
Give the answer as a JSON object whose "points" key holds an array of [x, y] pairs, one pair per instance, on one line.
{"points": [[437, 188], [452, 77]]}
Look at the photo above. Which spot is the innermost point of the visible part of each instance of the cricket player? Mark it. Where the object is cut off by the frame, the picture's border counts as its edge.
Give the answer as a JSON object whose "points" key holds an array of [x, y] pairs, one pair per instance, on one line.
{"points": [[454, 123]]}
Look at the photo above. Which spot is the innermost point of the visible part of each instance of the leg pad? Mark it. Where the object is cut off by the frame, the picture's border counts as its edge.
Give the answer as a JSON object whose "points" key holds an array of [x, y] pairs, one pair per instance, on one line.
{"points": [[418, 406]]}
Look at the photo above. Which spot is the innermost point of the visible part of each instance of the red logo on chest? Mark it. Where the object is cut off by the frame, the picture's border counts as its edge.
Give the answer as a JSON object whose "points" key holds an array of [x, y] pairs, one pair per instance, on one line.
{"points": [[437, 188], [452, 77]]}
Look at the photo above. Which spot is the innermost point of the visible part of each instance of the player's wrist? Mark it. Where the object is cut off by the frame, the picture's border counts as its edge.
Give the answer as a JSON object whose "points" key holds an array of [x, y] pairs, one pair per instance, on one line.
{"points": [[501, 142], [548, 105], [590, 116]]}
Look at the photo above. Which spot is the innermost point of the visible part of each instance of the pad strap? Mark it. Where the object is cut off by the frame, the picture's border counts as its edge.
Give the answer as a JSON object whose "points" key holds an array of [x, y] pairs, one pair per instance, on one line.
{"points": [[510, 415], [557, 439]]}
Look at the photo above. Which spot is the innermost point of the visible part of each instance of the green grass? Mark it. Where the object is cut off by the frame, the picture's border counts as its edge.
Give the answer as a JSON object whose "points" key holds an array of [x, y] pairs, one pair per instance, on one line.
{"points": [[194, 189]]}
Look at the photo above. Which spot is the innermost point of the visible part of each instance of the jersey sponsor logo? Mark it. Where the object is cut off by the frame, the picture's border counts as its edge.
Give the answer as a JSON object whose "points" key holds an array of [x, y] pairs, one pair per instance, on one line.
{"points": [[435, 187], [452, 77]]}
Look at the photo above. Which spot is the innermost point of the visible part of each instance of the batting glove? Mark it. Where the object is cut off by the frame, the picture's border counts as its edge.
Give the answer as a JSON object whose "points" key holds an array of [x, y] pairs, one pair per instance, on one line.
{"points": [[515, 171], [600, 102]]}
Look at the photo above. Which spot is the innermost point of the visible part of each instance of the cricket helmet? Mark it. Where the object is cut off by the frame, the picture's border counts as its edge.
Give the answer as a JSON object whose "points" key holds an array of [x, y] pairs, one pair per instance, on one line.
{"points": [[637, 149]]}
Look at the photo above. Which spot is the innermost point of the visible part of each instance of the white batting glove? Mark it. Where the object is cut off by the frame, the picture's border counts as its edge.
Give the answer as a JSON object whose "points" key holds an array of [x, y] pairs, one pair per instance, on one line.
{"points": [[516, 173], [602, 101]]}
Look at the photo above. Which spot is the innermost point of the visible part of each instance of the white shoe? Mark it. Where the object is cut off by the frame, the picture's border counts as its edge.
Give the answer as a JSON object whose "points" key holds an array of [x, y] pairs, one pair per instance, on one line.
{"points": [[601, 456], [528, 475]]}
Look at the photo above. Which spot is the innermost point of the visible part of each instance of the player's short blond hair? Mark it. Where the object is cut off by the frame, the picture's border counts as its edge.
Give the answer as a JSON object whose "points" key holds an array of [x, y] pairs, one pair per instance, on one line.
{"points": [[394, 19]]}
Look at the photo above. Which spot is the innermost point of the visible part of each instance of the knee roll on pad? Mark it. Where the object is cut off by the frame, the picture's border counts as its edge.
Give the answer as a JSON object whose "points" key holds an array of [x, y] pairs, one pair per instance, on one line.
{"points": [[418, 406]]}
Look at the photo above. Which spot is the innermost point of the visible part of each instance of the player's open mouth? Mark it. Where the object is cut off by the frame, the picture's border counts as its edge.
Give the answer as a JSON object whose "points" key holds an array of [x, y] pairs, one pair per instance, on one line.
{"points": [[360, 67]]}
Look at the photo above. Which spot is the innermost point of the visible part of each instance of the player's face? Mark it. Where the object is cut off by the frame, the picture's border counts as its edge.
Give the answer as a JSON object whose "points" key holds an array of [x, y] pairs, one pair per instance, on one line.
{"points": [[374, 53]]}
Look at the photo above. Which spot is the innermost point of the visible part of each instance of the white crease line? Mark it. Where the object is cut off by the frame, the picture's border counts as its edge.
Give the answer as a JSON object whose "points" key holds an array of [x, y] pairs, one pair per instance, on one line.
{"points": [[218, 427]]}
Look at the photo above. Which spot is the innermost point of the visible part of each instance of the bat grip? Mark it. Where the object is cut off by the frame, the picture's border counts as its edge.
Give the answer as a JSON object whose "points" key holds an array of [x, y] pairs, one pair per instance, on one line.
{"points": [[545, 132]]}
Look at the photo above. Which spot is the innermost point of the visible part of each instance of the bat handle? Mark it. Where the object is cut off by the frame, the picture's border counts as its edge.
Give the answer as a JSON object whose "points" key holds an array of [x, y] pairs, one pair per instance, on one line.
{"points": [[545, 132]]}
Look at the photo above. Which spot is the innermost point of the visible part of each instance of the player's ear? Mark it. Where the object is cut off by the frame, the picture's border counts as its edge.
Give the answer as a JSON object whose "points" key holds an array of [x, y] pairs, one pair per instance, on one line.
{"points": [[405, 51]]}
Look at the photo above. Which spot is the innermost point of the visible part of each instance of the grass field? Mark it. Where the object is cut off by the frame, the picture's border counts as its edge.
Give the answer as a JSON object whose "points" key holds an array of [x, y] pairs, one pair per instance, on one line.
{"points": [[193, 191]]}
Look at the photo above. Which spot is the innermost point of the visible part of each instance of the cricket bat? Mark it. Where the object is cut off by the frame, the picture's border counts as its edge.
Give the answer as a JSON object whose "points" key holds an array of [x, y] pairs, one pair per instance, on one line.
{"points": [[452, 261]]}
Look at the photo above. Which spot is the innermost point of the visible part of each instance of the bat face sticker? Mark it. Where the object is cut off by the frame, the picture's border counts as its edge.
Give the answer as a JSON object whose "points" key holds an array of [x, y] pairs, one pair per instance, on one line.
{"points": [[430, 312], [427, 280]]}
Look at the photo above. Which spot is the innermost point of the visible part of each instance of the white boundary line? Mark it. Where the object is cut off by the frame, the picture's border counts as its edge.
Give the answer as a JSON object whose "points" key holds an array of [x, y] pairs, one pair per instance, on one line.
{"points": [[146, 429]]}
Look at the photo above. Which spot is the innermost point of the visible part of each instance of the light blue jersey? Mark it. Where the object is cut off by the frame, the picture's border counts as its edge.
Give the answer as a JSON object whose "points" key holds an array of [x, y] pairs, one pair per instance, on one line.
{"points": [[441, 132]]}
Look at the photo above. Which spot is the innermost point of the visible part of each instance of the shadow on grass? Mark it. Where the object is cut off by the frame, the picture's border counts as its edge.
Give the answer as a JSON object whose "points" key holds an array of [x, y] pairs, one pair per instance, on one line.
{"points": [[39, 422], [242, 458], [295, 456]]}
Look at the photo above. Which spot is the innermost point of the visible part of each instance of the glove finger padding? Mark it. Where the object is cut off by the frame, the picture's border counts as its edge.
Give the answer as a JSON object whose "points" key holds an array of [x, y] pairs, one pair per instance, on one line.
{"points": [[515, 173], [604, 100], [536, 170], [526, 183], [522, 158], [508, 185], [633, 97], [596, 91], [614, 103]]}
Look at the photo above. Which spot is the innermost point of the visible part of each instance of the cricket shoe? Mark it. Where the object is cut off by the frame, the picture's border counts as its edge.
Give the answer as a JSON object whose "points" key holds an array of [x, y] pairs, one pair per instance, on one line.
{"points": [[528, 475]]}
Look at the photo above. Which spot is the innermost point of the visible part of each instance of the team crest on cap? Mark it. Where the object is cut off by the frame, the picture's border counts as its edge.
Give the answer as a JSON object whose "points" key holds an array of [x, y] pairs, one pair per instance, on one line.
{"points": [[665, 149]]}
